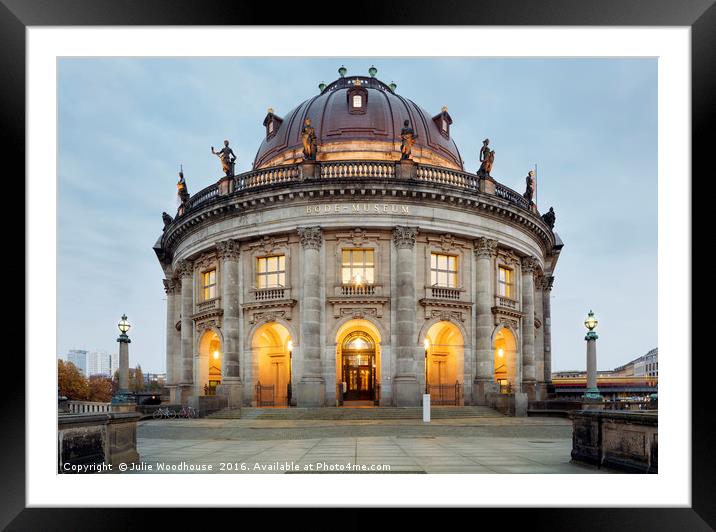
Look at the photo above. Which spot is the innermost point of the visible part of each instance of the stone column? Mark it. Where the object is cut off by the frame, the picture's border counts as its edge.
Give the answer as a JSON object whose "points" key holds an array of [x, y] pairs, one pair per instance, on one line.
{"points": [[186, 273], [310, 391], [231, 385], [529, 265], [539, 337], [123, 364], [547, 310], [406, 387], [485, 252], [592, 392], [170, 288]]}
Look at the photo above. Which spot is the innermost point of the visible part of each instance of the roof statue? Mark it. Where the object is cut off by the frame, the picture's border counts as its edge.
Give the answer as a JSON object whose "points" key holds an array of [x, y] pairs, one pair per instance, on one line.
{"points": [[167, 219], [227, 157], [530, 190], [549, 217], [408, 137], [182, 190], [487, 158], [308, 137]]}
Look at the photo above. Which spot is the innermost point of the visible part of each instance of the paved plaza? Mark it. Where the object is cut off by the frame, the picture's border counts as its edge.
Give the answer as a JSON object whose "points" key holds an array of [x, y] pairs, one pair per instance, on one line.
{"points": [[468, 445]]}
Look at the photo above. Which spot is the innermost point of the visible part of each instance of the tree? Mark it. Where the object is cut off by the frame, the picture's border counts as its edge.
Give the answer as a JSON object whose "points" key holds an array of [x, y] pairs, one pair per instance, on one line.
{"points": [[100, 389], [70, 381], [136, 383]]}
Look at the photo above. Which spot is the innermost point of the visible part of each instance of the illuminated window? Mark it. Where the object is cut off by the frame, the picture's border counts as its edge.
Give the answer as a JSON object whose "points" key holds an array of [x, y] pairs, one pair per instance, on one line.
{"points": [[505, 282], [357, 100], [271, 271], [209, 284], [358, 266], [443, 270]]}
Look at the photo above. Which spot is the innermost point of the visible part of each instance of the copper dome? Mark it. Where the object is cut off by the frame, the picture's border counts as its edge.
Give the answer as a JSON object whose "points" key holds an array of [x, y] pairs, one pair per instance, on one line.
{"points": [[368, 132]]}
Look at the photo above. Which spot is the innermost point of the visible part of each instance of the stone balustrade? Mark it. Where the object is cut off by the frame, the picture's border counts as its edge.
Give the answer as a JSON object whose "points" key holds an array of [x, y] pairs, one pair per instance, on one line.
{"points": [[269, 294], [357, 290], [445, 293], [87, 407], [506, 302], [277, 175]]}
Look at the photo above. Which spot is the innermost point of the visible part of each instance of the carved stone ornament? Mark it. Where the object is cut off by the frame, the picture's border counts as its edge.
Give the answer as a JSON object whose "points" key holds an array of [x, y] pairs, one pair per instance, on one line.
{"points": [[447, 242], [529, 264], [508, 257], [358, 237], [171, 285], [404, 237], [268, 316], [266, 245], [228, 250], [447, 315], [204, 262], [185, 268], [485, 247], [549, 281], [205, 325], [311, 237]]}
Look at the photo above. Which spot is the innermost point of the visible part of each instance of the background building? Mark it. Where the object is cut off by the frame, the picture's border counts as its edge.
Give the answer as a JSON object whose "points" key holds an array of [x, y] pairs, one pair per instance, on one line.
{"points": [[637, 379], [99, 363], [79, 358], [358, 261]]}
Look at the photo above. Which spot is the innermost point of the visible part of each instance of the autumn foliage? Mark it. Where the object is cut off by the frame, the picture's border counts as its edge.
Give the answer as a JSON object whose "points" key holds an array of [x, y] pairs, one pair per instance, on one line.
{"points": [[76, 387]]}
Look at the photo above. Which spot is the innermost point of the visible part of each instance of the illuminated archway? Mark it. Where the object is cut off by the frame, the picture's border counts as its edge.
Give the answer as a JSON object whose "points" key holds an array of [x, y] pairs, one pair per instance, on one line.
{"points": [[358, 360], [505, 357], [444, 363], [271, 347], [210, 359]]}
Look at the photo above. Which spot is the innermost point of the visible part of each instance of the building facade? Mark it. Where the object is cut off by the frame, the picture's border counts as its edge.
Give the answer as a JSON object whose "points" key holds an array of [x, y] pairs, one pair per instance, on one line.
{"points": [[99, 363], [79, 358], [358, 261]]}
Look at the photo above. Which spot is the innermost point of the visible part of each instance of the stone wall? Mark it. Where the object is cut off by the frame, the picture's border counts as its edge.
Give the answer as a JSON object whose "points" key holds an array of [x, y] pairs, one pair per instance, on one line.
{"points": [[626, 441], [94, 440]]}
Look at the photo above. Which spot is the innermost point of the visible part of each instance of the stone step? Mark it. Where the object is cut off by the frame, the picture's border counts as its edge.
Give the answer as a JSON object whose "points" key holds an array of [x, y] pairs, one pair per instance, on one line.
{"points": [[355, 413]]}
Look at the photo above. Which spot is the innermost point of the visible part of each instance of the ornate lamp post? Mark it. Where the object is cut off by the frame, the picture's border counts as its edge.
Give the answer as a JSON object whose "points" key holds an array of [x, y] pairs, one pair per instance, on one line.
{"points": [[123, 395], [592, 392]]}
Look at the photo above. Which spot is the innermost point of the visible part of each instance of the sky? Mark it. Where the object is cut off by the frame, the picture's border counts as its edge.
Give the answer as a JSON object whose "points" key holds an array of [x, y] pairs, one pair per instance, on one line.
{"points": [[126, 124]]}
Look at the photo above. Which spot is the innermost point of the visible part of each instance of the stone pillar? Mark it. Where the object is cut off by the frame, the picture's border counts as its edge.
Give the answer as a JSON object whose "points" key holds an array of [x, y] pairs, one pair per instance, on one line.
{"points": [[170, 288], [186, 273], [406, 387], [123, 364], [539, 337], [310, 391], [592, 392], [547, 310], [231, 385], [485, 252], [528, 327]]}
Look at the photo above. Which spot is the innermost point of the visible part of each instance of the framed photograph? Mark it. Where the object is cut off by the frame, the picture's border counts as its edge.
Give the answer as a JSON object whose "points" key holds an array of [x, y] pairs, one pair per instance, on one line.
{"points": [[272, 262]]}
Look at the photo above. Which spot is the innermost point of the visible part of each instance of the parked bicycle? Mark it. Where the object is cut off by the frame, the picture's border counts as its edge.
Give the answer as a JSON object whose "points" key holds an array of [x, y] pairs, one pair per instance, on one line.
{"points": [[188, 412], [164, 413]]}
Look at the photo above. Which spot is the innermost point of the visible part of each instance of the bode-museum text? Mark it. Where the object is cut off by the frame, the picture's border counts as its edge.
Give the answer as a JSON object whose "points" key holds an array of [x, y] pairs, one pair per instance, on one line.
{"points": [[358, 208]]}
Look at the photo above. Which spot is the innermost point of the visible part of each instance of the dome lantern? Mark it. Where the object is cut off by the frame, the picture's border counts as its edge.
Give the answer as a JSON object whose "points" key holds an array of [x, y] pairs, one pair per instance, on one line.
{"points": [[372, 71], [342, 71]]}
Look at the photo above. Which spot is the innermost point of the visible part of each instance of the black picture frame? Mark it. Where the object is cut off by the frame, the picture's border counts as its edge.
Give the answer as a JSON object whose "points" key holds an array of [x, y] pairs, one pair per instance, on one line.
{"points": [[699, 15]]}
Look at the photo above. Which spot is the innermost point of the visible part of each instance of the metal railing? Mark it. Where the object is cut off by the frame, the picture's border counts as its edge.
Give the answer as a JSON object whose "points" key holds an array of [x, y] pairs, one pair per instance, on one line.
{"points": [[358, 169], [445, 394]]}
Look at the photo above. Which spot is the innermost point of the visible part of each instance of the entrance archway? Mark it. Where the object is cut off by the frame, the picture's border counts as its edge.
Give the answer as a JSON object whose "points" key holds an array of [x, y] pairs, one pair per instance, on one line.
{"points": [[272, 346], [210, 358], [444, 364], [505, 357], [358, 362]]}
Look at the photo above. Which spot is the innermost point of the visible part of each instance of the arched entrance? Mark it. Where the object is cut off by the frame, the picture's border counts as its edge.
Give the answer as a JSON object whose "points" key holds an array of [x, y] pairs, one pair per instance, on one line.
{"points": [[210, 357], [444, 364], [505, 357], [272, 347], [358, 362]]}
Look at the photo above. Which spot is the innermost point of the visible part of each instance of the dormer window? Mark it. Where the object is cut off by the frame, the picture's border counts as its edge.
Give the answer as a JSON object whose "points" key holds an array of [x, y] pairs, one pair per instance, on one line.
{"points": [[357, 98], [443, 122], [272, 123]]}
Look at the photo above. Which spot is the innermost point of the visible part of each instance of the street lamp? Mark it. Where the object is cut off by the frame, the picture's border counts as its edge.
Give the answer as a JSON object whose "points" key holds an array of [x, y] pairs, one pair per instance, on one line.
{"points": [[123, 395], [592, 392]]}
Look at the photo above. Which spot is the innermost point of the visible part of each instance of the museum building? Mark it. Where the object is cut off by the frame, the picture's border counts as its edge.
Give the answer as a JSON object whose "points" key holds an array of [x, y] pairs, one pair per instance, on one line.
{"points": [[358, 263]]}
